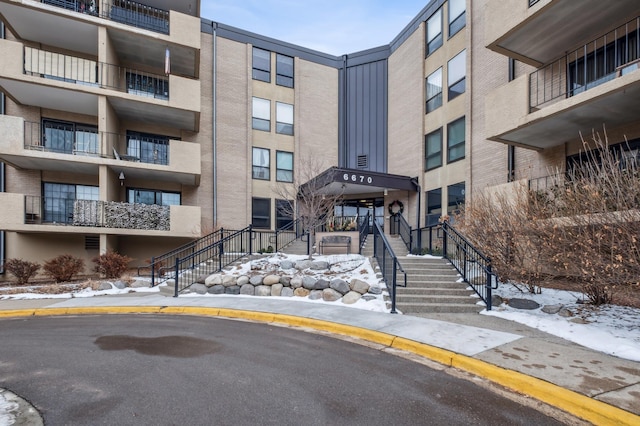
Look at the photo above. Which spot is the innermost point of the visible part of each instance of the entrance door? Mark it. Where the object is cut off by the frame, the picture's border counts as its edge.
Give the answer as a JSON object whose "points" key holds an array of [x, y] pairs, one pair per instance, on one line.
{"points": [[360, 208]]}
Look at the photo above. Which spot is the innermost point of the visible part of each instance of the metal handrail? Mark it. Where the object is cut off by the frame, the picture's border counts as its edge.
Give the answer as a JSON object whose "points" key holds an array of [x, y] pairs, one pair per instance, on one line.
{"points": [[211, 259], [404, 230], [364, 231], [474, 267], [388, 263]]}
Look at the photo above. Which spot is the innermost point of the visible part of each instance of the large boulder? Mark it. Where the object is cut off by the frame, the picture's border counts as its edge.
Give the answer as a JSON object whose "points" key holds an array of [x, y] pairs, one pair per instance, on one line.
{"points": [[301, 292], [339, 285], [321, 284], [271, 280], [263, 290], [276, 289], [216, 289], [303, 264], [309, 282], [359, 286], [319, 265], [315, 295], [229, 280], [286, 264], [351, 298], [331, 295], [212, 280], [287, 292], [256, 279], [242, 280], [248, 290], [234, 289], [198, 288], [285, 281], [296, 282]]}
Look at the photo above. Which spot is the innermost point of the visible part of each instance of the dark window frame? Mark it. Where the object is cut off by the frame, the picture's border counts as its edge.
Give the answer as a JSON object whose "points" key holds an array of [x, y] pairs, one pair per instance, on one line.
{"points": [[455, 199], [259, 221], [429, 155], [434, 211], [435, 101], [436, 42], [283, 128], [152, 149], [279, 169], [70, 145], [259, 71], [458, 22], [457, 144], [459, 86], [261, 124], [156, 193], [255, 169], [284, 215], [284, 71]]}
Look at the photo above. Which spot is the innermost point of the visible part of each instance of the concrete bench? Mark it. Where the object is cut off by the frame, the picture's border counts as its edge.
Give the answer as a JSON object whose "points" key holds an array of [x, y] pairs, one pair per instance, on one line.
{"points": [[335, 241]]}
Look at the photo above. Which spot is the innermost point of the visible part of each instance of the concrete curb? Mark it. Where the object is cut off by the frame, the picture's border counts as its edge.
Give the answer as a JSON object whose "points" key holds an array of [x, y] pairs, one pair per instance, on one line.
{"points": [[579, 405]]}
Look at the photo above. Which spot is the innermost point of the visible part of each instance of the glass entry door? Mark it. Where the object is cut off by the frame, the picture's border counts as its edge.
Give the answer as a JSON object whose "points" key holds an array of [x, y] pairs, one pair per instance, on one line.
{"points": [[360, 208]]}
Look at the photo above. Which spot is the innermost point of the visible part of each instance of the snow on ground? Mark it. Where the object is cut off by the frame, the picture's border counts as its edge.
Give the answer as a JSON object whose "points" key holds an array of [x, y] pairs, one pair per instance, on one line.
{"points": [[610, 329]]}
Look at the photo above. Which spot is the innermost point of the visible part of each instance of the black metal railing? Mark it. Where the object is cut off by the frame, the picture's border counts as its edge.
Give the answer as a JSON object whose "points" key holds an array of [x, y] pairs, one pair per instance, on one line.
{"points": [[364, 229], [267, 241], [123, 11], [211, 259], [603, 59], [403, 229], [162, 266], [388, 263], [427, 240], [72, 69], [65, 138], [473, 266], [94, 213]]}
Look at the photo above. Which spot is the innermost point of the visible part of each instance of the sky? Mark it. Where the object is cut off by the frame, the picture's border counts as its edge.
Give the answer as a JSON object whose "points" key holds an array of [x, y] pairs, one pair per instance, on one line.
{"points": [[336, 27]]}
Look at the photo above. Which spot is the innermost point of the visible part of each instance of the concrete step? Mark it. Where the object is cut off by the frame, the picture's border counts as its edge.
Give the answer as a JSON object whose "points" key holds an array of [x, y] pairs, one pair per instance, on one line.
{"points": [[427, 270], [438, 308], [402, 299], [444, 291]]}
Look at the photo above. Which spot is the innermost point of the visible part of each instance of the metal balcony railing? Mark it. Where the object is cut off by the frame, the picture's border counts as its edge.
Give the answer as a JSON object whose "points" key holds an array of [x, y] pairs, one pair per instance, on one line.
{"points": [[93, 213], [71, 69], [123, 11], [612, 55]]}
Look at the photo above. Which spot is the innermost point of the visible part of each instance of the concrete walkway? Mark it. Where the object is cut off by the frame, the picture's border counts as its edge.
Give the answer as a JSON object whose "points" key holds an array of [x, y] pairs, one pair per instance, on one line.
{"points": [[596, 387]]}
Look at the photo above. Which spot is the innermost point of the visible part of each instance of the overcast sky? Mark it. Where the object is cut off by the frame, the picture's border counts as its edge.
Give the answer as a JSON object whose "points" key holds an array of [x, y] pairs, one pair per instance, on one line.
{"points": [[330, 26]]}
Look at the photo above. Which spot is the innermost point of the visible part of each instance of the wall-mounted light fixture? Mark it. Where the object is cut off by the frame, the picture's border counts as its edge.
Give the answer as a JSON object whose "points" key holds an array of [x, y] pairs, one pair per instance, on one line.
{"points": [[121, 177], [386, 192]]}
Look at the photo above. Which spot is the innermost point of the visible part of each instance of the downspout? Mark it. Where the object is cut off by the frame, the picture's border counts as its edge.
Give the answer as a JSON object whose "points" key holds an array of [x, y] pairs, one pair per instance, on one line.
{"points": [[511, 150], [214, 135], [2, 170]]}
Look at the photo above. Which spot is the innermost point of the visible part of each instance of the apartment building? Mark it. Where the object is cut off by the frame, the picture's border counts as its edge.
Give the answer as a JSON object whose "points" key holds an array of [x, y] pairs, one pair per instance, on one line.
{"points": [[147, 125]]}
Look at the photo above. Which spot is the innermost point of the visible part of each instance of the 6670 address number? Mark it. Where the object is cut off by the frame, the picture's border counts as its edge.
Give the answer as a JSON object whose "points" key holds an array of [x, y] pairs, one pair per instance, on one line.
{"points": [[357, 178]]}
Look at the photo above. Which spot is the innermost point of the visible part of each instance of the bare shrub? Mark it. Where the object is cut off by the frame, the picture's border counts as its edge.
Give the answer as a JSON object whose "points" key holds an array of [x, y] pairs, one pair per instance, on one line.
{"points": [[23, 270], [62, 268], [111, 264]]}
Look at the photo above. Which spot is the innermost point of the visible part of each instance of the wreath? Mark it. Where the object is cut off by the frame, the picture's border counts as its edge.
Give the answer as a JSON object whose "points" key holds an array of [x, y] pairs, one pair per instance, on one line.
{"points": [[396, 207]]}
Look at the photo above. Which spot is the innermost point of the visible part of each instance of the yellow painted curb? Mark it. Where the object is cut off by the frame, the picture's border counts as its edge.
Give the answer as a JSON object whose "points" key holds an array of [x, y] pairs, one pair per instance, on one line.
{"points": [[172, 310], [579, 405], [17, 313], [249, 315], [50, 311], [196, 310], [442, 356]]}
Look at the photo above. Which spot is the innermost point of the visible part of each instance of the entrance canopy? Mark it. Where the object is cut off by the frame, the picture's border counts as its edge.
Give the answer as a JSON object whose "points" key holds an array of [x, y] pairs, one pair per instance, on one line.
{"points": [[337, 180]]}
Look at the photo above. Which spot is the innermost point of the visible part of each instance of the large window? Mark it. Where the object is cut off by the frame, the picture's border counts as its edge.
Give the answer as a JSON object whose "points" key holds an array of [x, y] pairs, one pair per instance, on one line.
{"points": [[261, 213], [69, 138], [457, 16], [148, 148], [261, 65], [284, 214], [147, 85], [434, 90], [456, 74], [284, 70], [455, 197], [433, 150], [284, 118], [262, 114], [59, 200], [284, 166], [434, 206], [434, 32], [261, 164], [150, 196], [455, 140]]}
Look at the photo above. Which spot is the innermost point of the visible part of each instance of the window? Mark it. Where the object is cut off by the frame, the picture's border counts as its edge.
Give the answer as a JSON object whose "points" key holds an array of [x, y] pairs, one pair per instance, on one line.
{"points": [[434, 206], [455, 140], [69, 138], [148, 148], [59, 199], [284, 214], [261, 65], [261, 213], [434, 32], [456, 74], [284, 70], [455, 197], [433, 150], [284, 166], [150, 196], [457, 16], [434, 90], [261, 164], [284, 118], [262, 114], [147, 85]]}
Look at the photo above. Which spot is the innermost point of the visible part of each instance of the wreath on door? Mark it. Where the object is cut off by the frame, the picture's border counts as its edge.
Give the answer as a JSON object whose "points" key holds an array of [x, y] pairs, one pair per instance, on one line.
{"points": [[396, 207]]}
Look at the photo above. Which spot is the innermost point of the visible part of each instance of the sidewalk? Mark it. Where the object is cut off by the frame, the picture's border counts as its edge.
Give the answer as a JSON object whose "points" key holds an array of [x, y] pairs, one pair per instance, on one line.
{"points": [[591, 385]]}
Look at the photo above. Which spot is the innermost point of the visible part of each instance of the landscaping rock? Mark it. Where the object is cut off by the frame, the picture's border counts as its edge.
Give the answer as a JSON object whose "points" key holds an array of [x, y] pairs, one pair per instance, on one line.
{"points": [[374, 289], [351, 298], [276, 289], [216, 289], [285, 281], [359, 286], [229, 280], [271, 280], [578, 320], [286, 264], [552, 309], [296, 282], [105, 285], [315, 295], [331, 295], [263, 290], [319, 265], [526, 304], [234, 289], [496, 300], [287, 292], [247, 290], [198, 288], [301, 292], [120, 285], [256, 280], [564, 312], [308, 282], [303, 264], [321, 284], [369, 297], [212, 280], [140, 284], [340, 286], [242, 280]]}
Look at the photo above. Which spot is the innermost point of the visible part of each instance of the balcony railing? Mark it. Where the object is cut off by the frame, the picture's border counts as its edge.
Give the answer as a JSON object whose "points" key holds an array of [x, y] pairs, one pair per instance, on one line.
{"points": [[603, 59], [123, 11], [71, 69], [101, 214]]}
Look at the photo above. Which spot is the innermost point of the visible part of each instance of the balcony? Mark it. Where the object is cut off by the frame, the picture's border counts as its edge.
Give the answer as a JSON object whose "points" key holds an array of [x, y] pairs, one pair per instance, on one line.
{"points": [[538, 32], [26, 213], [137, 33], [82, 149], [593, 85]]}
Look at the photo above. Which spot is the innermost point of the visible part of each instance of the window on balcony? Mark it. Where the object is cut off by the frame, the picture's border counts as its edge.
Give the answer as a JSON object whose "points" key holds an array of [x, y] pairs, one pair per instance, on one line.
{"points": [[434, 90], [82, 6], [261, 65], [284, 118], [284, 70], [148, 148], [456, 75], [457, 16], [261, 114], [284, 166], [69, 138], [147, 85], [456, 140], [434, 32], [150, 196], [140, 15], [59, 200], [433, 150], [261, 213], [260, 169]]}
